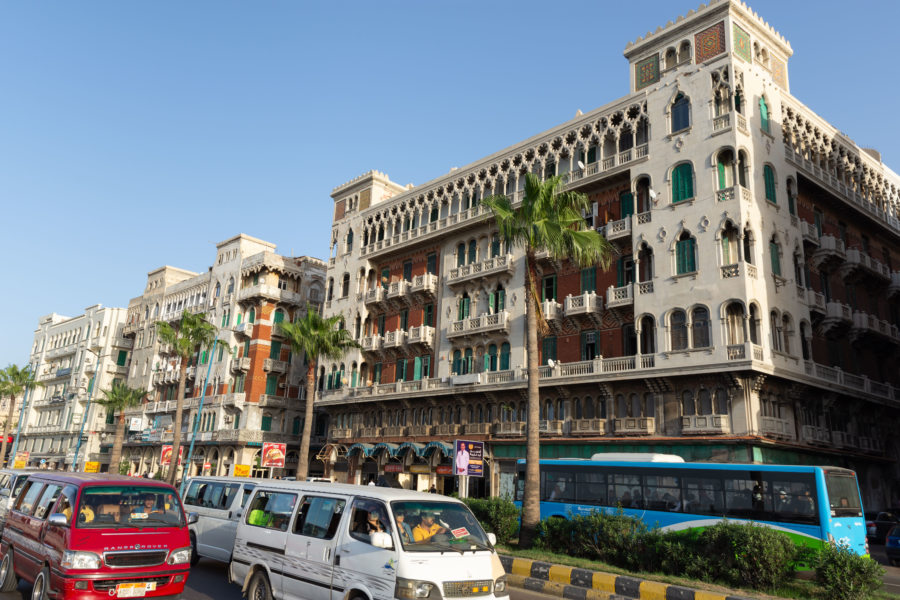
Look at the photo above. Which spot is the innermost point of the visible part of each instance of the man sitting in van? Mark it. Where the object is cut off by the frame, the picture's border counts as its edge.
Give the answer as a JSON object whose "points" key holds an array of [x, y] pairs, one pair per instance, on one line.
{"points": [[406, 532], [427, 528], [148, 507]]}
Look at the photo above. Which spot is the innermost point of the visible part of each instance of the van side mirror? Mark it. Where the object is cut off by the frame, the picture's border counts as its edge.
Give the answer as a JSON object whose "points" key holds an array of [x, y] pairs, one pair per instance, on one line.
{"points": [[4, 492], [492, 538], [58, 519], [381, 539], [192, 518]]}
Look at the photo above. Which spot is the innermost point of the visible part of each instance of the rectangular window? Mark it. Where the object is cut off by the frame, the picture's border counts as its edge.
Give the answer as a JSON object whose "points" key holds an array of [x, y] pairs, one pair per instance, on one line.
{"points": [[275, 351], [407, 271], [776, 259], [428, 318], [271, 510], [266, 423], [624, 271], [590, 345], [123, 356], [404, 319], [588, 280], [431, 263], [319, 517], [401, 369], [271, 385], [380, 324], [548, 288], [626, 204], [548, 350], [684, 257], [385, 278], [376, 375], [426, 366], [221, 353]]}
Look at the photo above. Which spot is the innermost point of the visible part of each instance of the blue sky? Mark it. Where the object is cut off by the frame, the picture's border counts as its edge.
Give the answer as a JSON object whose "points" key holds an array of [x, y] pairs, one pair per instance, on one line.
{"points": [[137, 134]]}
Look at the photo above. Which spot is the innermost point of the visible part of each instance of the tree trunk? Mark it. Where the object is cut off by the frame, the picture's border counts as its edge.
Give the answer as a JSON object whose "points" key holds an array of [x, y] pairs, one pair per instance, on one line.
{"points": [[531, 508], [9, 417], [115, 456], [176, 427], [303, 457]]}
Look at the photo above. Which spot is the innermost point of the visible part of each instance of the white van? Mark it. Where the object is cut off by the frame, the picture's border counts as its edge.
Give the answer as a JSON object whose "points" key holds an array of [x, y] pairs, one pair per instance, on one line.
{"points": [[332, 541], [218, 502], [11, 483]]}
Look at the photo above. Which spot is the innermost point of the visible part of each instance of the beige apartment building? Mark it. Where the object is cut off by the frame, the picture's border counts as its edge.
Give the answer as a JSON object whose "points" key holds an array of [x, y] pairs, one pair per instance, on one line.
{"points": [[750, 314]]}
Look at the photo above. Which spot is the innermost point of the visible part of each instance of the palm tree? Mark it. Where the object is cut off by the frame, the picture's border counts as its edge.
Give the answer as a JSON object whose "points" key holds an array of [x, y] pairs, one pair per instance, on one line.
{"points": [[13, 382], [117, 399], [314, 336], [192, 334], [548, 219]]}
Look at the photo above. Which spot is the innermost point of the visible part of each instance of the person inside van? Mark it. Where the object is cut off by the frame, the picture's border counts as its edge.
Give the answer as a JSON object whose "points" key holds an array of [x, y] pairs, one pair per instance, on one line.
{"points": [[372, 523], [148, 506], [406, 532], [427, 528]]}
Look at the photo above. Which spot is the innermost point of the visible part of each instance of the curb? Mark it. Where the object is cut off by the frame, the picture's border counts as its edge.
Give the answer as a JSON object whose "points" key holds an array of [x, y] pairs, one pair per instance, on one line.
{"points": [[581, 584]]}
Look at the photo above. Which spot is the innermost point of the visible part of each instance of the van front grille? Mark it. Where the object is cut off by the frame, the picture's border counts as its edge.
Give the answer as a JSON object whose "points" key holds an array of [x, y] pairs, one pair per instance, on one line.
{"points": [[109, 584], [468, 589], [150, 558]]}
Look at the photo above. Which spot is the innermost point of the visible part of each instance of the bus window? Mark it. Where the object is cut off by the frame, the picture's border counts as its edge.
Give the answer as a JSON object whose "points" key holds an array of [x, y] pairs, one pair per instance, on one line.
{"points": [[793, 497], [745, 495], [557, 487], [520, 486], [843, 494], [625, 490], [704, 495], [590, 488], [662, 493]]}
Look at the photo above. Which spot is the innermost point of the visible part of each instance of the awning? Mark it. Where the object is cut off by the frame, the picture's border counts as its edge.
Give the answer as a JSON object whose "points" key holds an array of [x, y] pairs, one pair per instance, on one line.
{"points": [[416, 447], [364, 449], [391, 449], [444, 447]]}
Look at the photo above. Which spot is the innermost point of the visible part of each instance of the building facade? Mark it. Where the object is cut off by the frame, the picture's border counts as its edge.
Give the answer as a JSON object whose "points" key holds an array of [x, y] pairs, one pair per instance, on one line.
{"points": [[750, 314], [74, 358], [254, 387]]}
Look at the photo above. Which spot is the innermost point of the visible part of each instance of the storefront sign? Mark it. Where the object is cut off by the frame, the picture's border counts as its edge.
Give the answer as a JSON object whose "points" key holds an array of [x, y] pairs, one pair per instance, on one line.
{"points": [[393, 468], [21, 459], [469, 459], [92, 467], [273, 455], [166, 457], [443, 470], [420, 469], [242, 470]]}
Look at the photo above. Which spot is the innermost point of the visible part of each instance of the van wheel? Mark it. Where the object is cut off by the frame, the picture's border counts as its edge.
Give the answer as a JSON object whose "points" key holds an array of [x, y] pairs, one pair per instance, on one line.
{"points": [[8, 581], [195, 558], [259, 588], [40, 590]]}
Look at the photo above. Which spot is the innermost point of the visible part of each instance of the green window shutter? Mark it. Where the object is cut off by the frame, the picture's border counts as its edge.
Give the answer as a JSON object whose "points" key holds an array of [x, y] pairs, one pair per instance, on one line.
{"points": [[110, 417], [726, 251], [681, 257], [763, 115], [769, 178], [377, 374], [682, 183], [491, 299], [721, 168], [221, 353], [203, 358], [433, 216], [429, 315], [549, 349], [404, 320], [237, 421], [456, 361], [385, 278], [487, 362], [504, 356], [620, 272], [776, 259], [460, 255], [252, 317], [466, 307], [256, 279], [223, 319], [123, 356], [592, 154], [417, 368], [275, 351], [692, 256], [459, 309], [495, 246], [791, 208], [402, 369], [501, 300], [267, 423], [469, 361], [239, 318], [271, 385], [278, 317], [472, 251], [246, 347], [426, 366], [296, 428], [91, 385], [626, 204], [588, 280]]}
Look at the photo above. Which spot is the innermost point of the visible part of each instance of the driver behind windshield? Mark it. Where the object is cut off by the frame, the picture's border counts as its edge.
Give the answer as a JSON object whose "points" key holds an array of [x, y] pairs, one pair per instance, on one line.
{"points": [[427, 528]]}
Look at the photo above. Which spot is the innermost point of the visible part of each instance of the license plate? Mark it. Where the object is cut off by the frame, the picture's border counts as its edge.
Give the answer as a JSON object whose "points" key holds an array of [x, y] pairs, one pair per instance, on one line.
{"points": [[134, 590]]}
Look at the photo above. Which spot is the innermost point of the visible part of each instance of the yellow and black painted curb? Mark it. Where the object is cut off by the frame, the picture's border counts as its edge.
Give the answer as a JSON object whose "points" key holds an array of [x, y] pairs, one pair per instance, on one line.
{"points": [[581, 584]]}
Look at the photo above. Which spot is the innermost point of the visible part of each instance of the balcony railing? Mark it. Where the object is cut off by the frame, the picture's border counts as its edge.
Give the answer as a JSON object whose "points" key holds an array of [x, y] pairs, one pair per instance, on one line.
{"points": [[243, 329], [419, 430], [424, 284], [485, 323], [583, 304], [275, 366], [620, 296], [422, 334], [634, 426], [477, 428], [446, 429], [511, 428], [551, 310], [241, 364], [588, 427], [551, 427], [776, 427], [394, 339], [815, 435], [809, 232], [270, 292], [398, 290], [371, 343], [395, 431], [375, 295], [477, 270], [704, 424], [617, 230]]}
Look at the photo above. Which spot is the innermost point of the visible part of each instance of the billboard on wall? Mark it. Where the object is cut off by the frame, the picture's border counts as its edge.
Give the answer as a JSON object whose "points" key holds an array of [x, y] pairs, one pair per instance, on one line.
{"points": [[469, 458], [166, 458], [273, 455], [21, 459]]}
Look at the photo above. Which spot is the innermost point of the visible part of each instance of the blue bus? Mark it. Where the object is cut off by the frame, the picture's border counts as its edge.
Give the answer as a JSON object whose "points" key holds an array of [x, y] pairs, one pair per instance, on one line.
{"points": [[812, 505]]}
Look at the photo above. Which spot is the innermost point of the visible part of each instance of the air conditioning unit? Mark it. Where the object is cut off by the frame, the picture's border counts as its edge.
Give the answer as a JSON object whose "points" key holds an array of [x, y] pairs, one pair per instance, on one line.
{"points": [[282, 386], [228, 418]]}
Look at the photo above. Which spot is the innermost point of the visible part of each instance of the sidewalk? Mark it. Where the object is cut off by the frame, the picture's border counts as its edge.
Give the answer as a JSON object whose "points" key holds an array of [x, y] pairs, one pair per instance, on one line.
{"points": [[581, 584]]}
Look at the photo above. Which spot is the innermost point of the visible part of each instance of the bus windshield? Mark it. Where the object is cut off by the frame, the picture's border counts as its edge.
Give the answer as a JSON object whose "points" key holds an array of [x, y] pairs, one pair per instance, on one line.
{"points": [[843, 494], [128, 506]]}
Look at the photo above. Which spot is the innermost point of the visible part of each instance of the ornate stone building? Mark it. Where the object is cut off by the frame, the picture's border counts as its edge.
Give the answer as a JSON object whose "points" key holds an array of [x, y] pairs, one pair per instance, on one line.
{"points": [[751, 312]]}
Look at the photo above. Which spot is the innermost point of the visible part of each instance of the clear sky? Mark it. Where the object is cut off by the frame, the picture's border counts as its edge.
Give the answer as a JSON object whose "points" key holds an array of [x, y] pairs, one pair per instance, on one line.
{"points": [[137, 134]]}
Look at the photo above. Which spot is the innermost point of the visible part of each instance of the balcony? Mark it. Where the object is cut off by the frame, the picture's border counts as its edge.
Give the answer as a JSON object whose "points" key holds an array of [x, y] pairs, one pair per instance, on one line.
{"points": [[341, 434], [370, 432], [618, 297], [446, 429], [732, 271], [809, 232], [266, 401], [235, 400], [815, 301], [705, 424], [730, 193], [838, 317], [498, 265], [818, 436], [398, 293], [843, 439], [553, 313], [597, 170], [588, 427], [514, 428], [371, 343], [482, 324], [424, 285], [394, 339], [240, 364], [395, 431], [270, 292], [858, 266], [243, 329], [422, 336], [635, 426], [477, 428], [588, 304], [275, 366], [774, 427], [830, 252], [871, 445], [419, 430], [550, 427], [618, 230], [865, 324]]}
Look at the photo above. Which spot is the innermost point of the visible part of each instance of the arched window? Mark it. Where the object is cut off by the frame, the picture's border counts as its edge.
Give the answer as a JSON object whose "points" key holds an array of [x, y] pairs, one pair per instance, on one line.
{"points": [[721, 405], [588, 411], [700, 327], [648, 335], [763, 114], [345, 285], [739, 101], [621, 406], [685, 254], [775, 325], [670, 58], [734, 322], [468, 361], [649, 404], [729, 244], [230, 288], [457, 362], [278, 316], [678, 330], [504, 356], [804, 340], [725, 168], [495, 245], [787, 331], [681, 113], [682, 183], [687, 403], [748, 246], [349, 240], [645, 263], [704, 402], [684, 52], [769, 179], [251, 318], [460, 255], [754, 324], [473, 251], [497, 300], [775, 253], [490, 359], [218, 289], [576, 408]]}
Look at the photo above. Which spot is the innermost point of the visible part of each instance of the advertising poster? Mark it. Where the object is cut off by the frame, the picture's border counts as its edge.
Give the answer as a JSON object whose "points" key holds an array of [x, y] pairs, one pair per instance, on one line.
{"points": [[469, 458], [92, 467], [135, 424], [242, 470], [21, 459], [273, 455], [166, 457]]}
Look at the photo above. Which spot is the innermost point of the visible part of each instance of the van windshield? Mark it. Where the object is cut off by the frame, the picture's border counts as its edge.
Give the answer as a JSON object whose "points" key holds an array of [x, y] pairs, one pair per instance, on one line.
{"points": [[438, 527], [128, 506]]}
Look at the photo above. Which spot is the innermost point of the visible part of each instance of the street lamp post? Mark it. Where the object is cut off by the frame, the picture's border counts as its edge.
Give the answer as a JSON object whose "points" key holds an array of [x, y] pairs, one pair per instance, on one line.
{"points": [[87, 410], [19, 428]]}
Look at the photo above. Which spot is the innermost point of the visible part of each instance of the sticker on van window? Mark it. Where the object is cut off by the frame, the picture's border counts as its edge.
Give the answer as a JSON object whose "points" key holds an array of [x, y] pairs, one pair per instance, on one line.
{"points": [[139, 515], [459, 532]]}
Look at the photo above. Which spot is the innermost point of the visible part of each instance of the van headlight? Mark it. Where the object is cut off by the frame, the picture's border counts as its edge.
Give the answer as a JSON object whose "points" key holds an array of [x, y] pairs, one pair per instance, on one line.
{"points": [[500, 588], [80, 560], [413, 588], [179, 557]]}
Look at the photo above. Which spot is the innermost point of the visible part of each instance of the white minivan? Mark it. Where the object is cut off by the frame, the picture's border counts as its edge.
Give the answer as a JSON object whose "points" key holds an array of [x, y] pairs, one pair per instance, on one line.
{"points": [[331, 541], [217, 502]]}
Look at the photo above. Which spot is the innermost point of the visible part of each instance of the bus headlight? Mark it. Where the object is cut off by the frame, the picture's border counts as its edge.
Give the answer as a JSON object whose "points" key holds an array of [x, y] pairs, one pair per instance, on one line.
{"points": [[409, 589], [500, 587], [180, 556]]}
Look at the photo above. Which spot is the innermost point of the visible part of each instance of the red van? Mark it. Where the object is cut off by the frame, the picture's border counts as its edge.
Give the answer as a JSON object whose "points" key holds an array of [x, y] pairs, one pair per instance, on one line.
{"points": [[91, 536]]}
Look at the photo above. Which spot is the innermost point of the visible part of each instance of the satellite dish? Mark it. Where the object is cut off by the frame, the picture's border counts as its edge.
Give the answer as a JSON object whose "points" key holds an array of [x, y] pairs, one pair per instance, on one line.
{"points": [[551, 363], [580, 165], [653, 194]]}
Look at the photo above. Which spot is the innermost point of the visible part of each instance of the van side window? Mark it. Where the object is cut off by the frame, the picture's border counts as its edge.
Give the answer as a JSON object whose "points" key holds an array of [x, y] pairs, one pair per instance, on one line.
{"points": [[19, 484], [29, 496], [368, 516], [228, 496], [319, 517], [271, 510], [195, 493], [213, 496], [248, 489], [66, 503], [48, 498]]}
